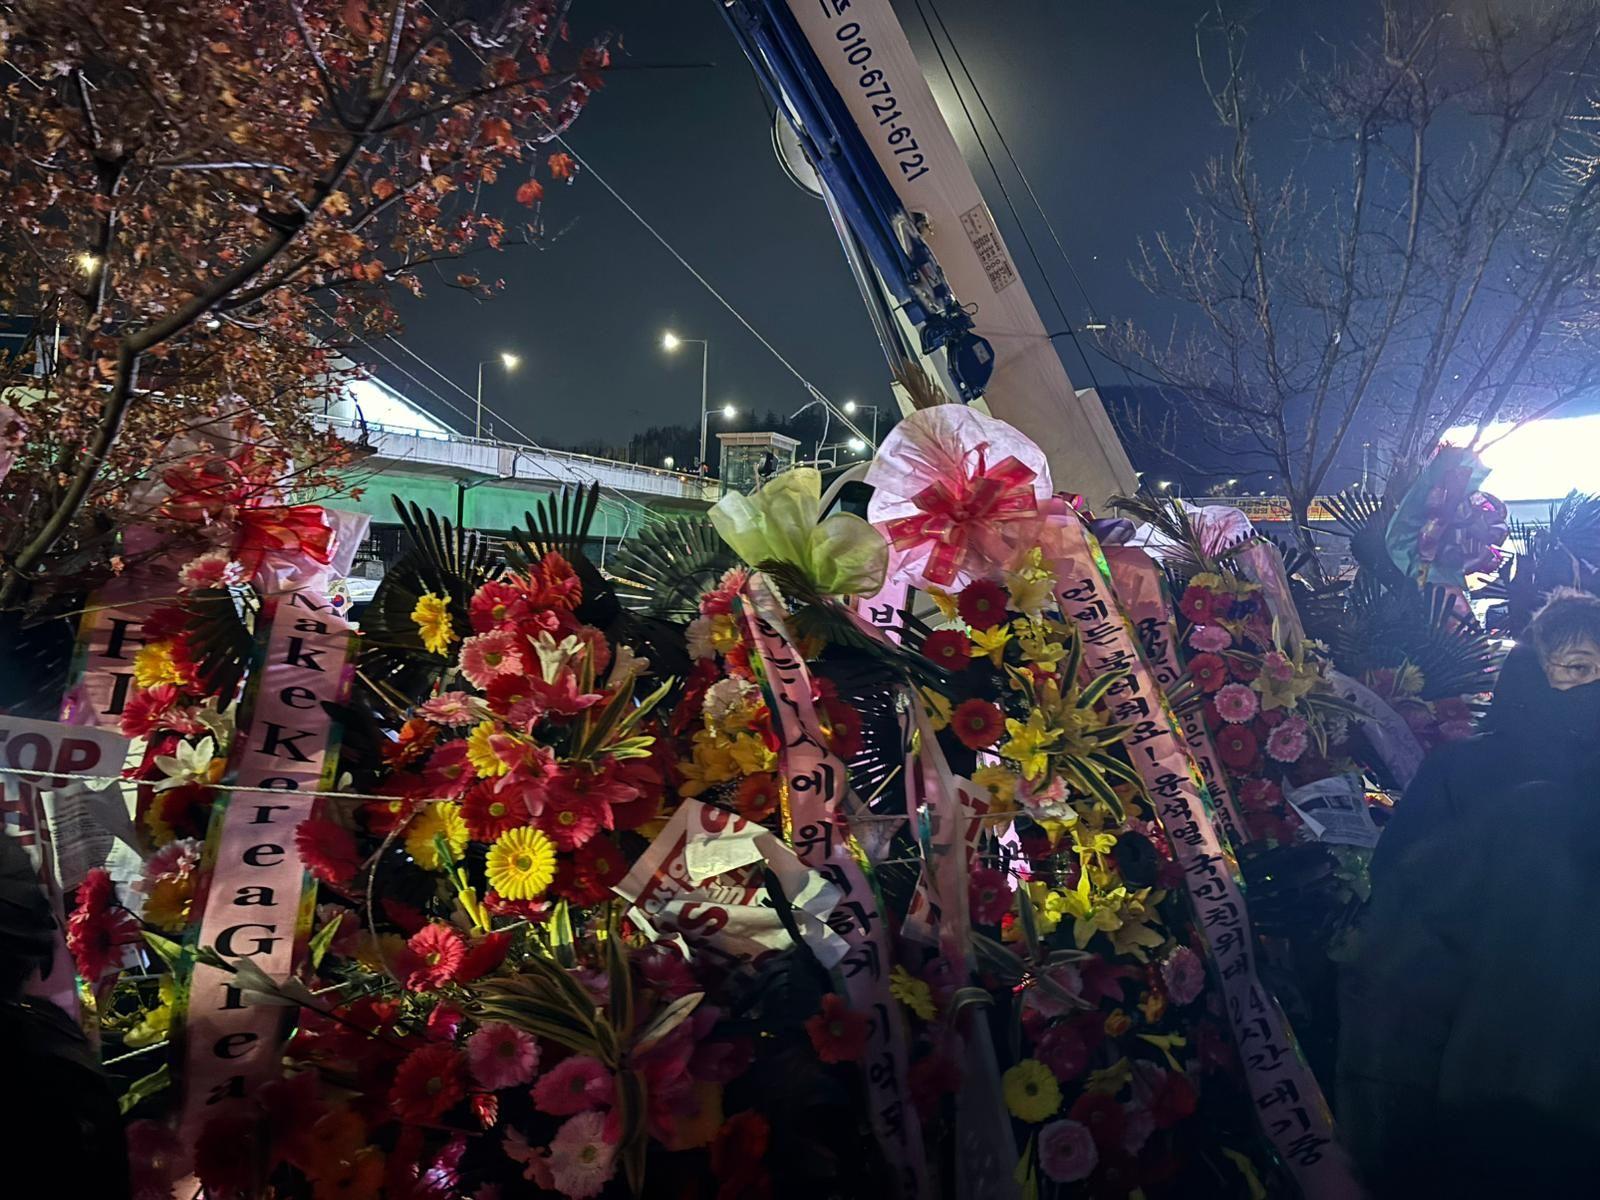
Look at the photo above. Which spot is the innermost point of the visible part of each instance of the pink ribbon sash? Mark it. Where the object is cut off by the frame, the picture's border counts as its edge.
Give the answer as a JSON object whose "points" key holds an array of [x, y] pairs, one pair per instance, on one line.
{"points": [[816, 783], [254, 908], [1139, 588], [1288, 1101]]}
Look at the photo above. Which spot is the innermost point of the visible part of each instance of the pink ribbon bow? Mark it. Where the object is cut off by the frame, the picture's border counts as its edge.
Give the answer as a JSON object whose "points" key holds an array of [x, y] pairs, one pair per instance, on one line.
{"points": [[955, 512]]}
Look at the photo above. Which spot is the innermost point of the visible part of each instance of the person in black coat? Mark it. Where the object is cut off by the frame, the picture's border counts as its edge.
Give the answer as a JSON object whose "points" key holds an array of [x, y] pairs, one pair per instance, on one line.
{"points": [[1469, 1060], [56, 1105]]}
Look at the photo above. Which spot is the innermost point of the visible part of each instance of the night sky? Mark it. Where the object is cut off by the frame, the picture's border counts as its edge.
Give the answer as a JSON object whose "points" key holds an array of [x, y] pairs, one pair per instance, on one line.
{"points": [[1102, 105]]}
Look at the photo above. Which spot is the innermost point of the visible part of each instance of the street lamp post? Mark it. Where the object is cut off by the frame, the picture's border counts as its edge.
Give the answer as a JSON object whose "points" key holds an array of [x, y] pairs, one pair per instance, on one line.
{"points": [[509, 361], [851, 408], [670, 342]]}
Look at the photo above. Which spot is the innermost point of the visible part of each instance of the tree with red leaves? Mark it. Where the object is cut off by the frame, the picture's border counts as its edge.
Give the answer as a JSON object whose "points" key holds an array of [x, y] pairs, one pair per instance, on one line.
{"points": [[204, 200]]}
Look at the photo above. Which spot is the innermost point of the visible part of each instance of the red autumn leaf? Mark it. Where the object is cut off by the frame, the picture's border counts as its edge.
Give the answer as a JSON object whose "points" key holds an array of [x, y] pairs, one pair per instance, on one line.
{"points": [[562, 166], [497, 131], [383, 189], [465, 280], [530, 193]]}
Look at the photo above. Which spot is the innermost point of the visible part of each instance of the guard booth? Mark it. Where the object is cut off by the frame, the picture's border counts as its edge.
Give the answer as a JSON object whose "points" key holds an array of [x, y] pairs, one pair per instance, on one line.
{"points": [[743, 453]]}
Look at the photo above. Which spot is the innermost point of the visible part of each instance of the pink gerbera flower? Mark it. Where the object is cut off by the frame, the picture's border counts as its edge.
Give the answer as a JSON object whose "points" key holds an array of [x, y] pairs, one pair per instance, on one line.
{"points": [[582, 1158], [1184, 975], [1288, 741], [575, 1085], [1237, 704], [490, 656], [157, 708], [211, 570], [438, 952], [572, 817], [1067, 1152], [455, 709], [502, 1055], [1210, 639]]}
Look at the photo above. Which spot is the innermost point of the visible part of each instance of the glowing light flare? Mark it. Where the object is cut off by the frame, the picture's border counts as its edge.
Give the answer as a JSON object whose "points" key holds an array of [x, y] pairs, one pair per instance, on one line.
{"points": [[1542, 460]]}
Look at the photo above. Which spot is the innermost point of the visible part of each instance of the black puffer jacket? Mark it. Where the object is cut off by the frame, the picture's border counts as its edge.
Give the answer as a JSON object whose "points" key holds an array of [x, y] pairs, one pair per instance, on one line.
{"points": [[1469, 1058]]}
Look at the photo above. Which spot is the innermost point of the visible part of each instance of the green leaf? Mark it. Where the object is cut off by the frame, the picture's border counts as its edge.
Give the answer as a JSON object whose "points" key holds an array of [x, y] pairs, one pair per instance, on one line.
{"points": [[1029, 919], [167, 950], [322, 939], [620, 992], [561, 936], [665, 1021], [141, 1090], [1092, 694]]}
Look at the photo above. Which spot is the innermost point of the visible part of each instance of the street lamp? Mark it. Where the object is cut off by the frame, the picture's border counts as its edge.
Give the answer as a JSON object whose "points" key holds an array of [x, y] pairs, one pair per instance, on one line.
{"points": [[857, 445], [509, 362], [729, 412], [670, 342], [851, 408], [668, 462], [1164, 484], [1233, 483]]}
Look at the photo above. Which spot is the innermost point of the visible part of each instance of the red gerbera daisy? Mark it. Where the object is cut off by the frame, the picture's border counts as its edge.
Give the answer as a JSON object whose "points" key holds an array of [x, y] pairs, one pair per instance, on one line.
{"points": [[977, 723], [1237, 747], [438, 952], [949, 648], [448, 772], [97, 930], [844, 728], [484, 956], [989, 895], [1209, 671], [838, 1034], [416, 738], [511, 699], [571, 817], [490, 810], [1203, 606], [328, 850], [982, 604], [757, 796], [587, 877], [428, 1084], [495, 603]]}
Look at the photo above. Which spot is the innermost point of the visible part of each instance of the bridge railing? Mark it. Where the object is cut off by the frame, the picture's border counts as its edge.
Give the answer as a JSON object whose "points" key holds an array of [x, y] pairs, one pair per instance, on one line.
{"points": [[461, 455]]}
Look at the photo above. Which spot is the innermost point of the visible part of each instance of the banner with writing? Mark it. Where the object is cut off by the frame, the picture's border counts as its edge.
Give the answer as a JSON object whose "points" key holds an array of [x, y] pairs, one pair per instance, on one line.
{"points": [[1288, 1101], [1142, 593], [253, 907], [816, 784], [49, 814]]}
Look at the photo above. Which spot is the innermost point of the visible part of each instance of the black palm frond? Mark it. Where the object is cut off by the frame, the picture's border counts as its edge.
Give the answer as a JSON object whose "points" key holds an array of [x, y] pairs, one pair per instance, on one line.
{"points": [[662, 571], [1364, 519], [221, 640], [873, 689], [1170, 519], [560, 524], [1420, 626], [1563, 553], [441, 560], [812, 615]]}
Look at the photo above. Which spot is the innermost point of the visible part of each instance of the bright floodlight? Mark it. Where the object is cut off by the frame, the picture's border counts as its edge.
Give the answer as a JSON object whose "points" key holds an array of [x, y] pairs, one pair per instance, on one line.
{"points": [[670, 340], [857, 445], [1164, 484], [729, 411], [510, 361], [1542, 460], [88, 263], [850, 407], [1232, 482], [668, 462]]}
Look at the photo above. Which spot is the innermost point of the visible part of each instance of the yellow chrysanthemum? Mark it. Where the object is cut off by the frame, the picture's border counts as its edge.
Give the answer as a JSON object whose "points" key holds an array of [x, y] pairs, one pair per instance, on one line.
{"points": [[170, 902], [1032, 1093], [441, 818], [154, 665], [522, 863], [724, 633], [432, 618], [913, 993]]}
